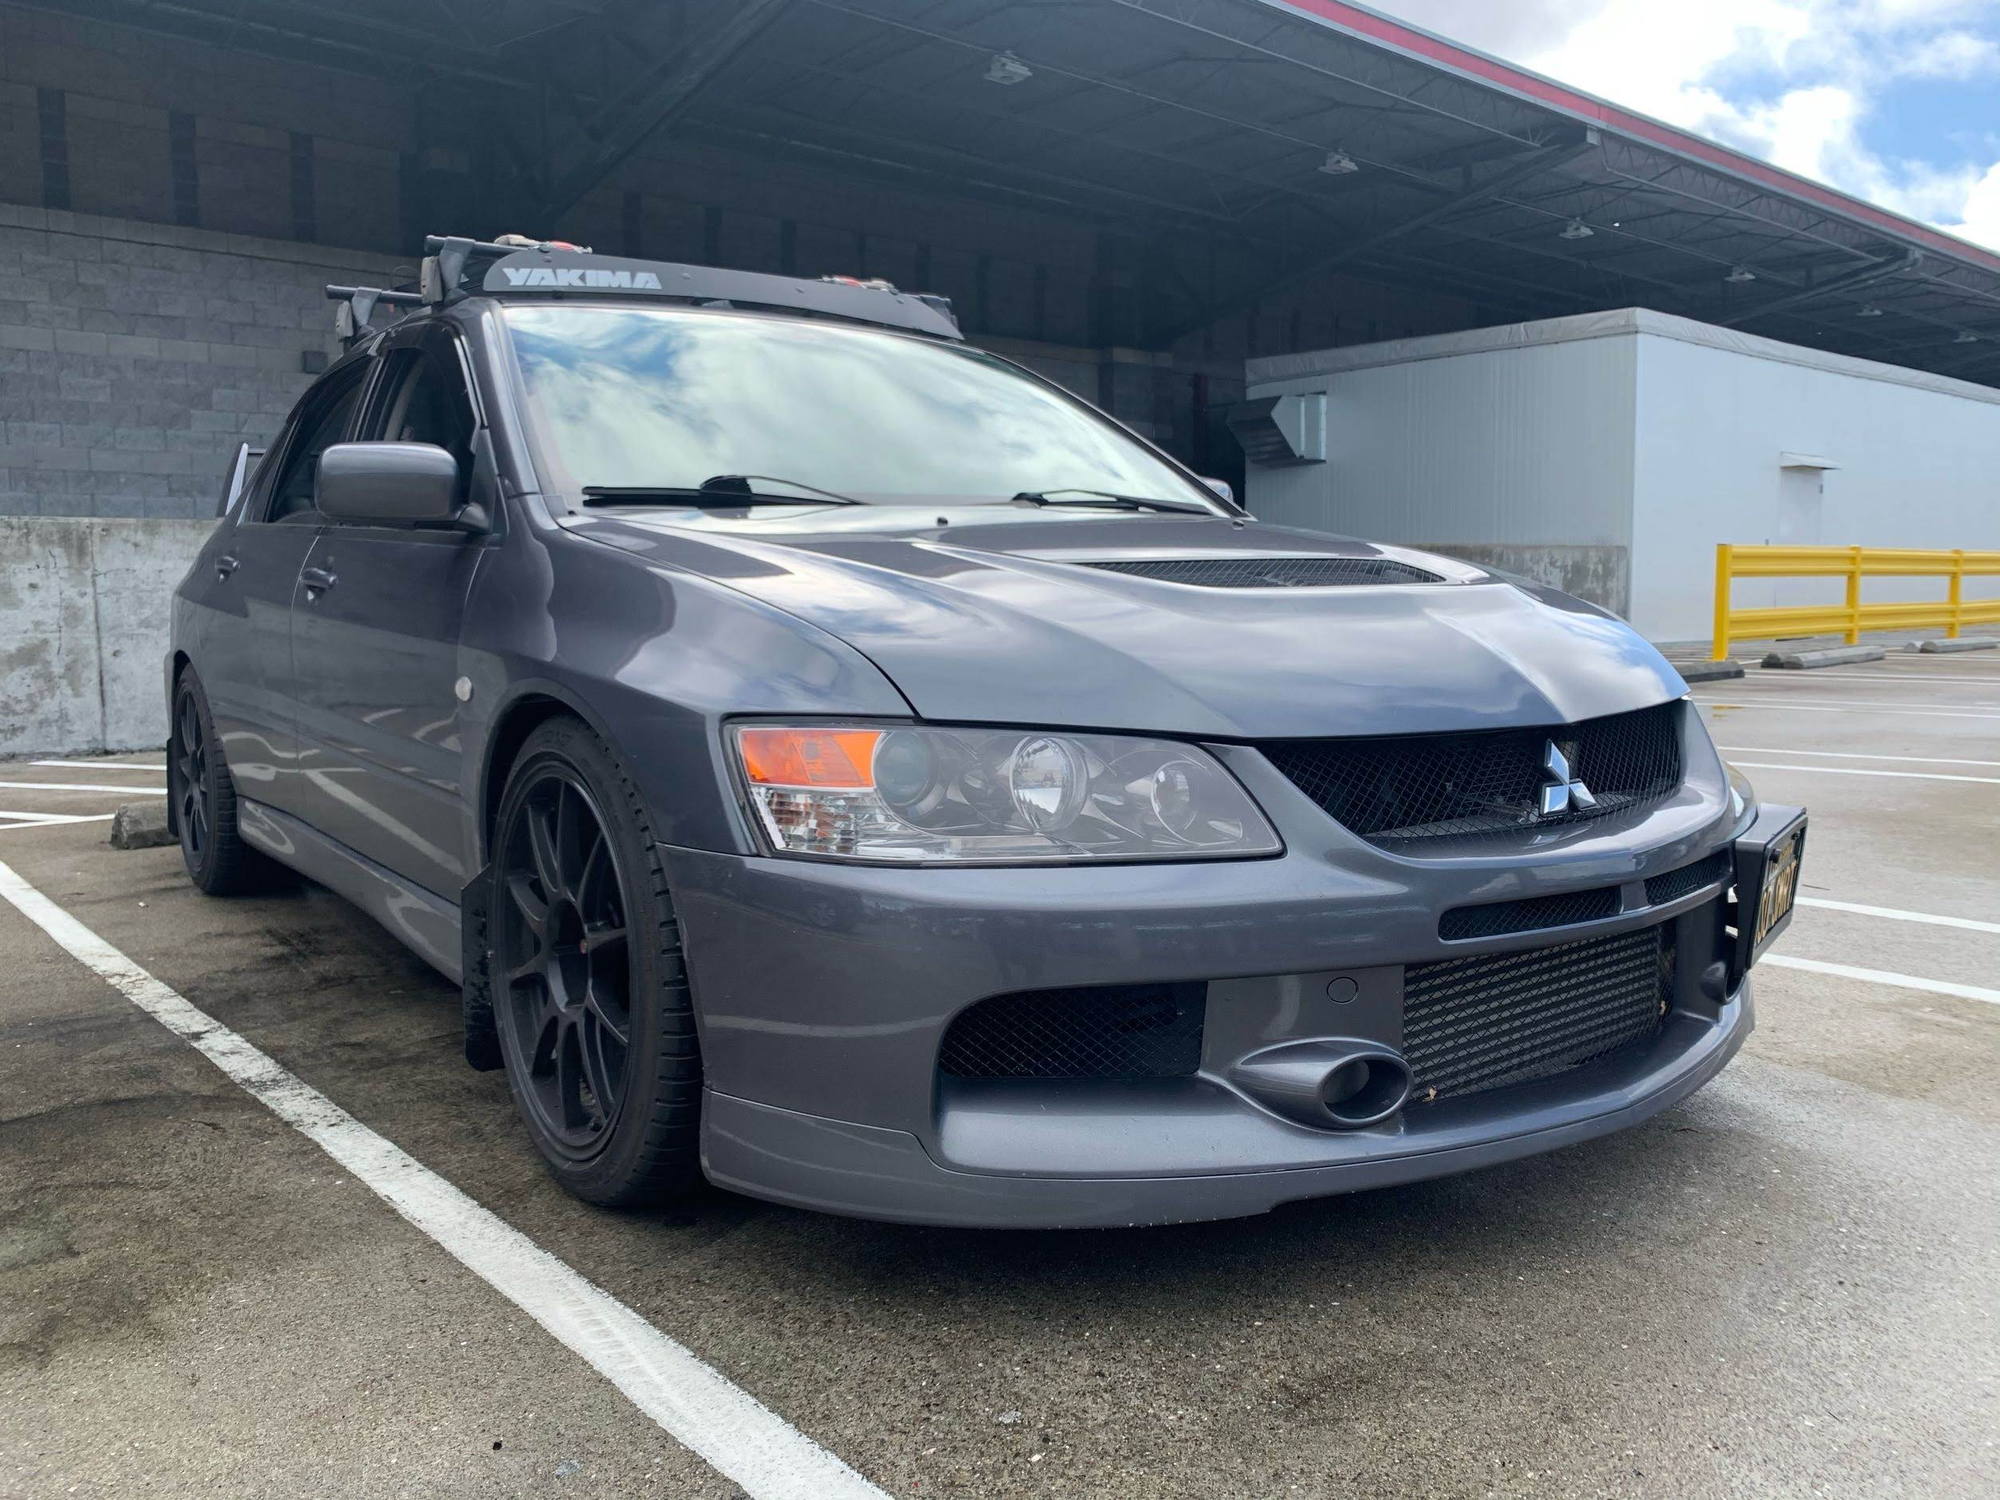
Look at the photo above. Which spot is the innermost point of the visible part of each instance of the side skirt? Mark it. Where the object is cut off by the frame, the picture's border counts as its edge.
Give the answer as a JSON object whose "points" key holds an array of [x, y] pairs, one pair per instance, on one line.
{"points": [[425, 922]]}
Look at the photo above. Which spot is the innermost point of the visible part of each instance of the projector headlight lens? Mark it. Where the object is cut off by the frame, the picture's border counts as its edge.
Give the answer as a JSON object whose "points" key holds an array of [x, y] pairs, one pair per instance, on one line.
{"points": [[980, 796]]}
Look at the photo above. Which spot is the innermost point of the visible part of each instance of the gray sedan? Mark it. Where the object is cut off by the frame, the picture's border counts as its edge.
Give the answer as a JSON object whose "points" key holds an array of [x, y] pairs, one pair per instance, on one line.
{"points": [[835, 761]]}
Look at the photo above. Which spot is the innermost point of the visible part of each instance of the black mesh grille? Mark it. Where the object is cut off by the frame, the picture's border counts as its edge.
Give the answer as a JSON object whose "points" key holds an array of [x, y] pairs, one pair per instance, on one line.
{"points": [[1271, 572], [1427, 786], [1480, 1023], [1688, 879], [1526, 915], [1111, 1031]]}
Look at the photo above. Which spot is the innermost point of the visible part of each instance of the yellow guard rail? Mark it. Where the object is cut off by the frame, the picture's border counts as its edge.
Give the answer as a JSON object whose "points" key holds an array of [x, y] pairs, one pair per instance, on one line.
{"points": [[1851, 617]]}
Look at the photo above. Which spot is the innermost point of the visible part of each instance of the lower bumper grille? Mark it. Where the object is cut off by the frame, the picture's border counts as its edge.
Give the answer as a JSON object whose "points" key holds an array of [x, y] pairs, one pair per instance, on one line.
{"points": [[1471, 1024], [1105, 1031]]}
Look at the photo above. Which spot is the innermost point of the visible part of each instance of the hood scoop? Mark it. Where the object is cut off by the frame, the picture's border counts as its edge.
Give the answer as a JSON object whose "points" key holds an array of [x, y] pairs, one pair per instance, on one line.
{"points": [[1239, 572]]}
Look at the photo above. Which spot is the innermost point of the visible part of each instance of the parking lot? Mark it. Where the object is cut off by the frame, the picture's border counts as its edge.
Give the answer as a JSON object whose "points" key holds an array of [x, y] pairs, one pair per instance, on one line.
{"points": [[1785, 1286]]}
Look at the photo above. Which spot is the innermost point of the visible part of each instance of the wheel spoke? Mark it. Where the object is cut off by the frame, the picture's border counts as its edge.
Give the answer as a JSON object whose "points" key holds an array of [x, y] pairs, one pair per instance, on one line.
{"points": [[604, 940], [542, 849], [610, 1016], [531, 904], [593, 872]]}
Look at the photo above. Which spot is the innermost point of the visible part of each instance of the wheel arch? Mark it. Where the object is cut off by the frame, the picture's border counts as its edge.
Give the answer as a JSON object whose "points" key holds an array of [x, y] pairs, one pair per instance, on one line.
{"points": [[532, 704]]}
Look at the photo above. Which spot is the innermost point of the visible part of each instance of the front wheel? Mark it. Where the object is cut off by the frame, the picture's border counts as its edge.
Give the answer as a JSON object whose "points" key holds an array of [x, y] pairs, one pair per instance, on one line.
{"points": [[590, 995]]}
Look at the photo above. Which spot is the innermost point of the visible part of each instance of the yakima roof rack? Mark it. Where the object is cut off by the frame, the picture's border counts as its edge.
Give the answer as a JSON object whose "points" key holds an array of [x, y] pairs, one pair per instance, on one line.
{"points": [[517, 267]]}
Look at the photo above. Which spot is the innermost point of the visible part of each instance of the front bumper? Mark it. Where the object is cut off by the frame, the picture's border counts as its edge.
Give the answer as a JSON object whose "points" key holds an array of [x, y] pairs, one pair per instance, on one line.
{"points": [[838, 1167], [824, 991]]}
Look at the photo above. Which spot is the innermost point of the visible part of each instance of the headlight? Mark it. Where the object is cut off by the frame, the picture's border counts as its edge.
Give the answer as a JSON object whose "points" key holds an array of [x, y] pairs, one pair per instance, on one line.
{"points": [[992, 796], [1742, 795]]}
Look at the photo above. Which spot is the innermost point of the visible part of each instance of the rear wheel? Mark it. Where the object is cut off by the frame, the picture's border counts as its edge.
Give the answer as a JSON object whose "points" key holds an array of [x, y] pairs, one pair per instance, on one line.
{"points": [[204, 802], [590, 996]]}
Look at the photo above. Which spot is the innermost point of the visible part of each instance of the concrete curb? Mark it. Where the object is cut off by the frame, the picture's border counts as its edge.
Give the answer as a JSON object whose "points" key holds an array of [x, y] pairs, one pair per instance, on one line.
{"points": [[1966, 643], [141, 825], [1830, 656], [1707, 671]]}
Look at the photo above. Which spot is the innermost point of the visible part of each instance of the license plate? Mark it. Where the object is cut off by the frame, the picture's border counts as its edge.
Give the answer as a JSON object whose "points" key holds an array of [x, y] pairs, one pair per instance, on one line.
{"points": [[1781, 889]]}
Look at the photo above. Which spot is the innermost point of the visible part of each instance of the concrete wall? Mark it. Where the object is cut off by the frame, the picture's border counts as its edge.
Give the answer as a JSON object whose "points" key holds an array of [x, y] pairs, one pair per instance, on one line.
{"points": [[134, 356], [83, 630]]}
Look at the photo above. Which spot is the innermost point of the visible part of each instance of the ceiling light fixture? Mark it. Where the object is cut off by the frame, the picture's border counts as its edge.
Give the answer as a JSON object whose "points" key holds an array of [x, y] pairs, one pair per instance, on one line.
{"points": [[1740, 274], [1339, 164], [1576, 229], [1007, 69]]}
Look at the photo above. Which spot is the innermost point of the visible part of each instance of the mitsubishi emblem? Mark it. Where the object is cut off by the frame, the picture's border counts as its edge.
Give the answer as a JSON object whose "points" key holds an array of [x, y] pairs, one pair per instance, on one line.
{"points": [[1561, 791]]}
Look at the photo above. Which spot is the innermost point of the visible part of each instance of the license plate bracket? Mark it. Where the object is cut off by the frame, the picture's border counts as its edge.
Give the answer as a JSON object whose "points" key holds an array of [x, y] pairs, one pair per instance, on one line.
{"points": [[1768, 860]]}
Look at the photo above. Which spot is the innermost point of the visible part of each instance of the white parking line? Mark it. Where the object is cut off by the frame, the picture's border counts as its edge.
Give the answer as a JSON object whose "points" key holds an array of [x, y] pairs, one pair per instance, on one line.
{"points": [[1922, 760], [1896, 702], [1778, 675], [1766, 765], [1838, 706], [101, 765], [132, 790], [744, 1440], [1883, 976], [43, 820], [1899, 915]]}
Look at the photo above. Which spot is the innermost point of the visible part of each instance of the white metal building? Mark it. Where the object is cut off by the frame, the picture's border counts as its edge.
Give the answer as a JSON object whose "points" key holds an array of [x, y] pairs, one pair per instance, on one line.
{"points": [[1610, 452]]}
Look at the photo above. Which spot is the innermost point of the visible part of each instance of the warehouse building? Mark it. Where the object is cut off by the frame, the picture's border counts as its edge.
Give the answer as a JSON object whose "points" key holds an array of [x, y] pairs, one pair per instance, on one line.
{"points": [[1134, 196]]}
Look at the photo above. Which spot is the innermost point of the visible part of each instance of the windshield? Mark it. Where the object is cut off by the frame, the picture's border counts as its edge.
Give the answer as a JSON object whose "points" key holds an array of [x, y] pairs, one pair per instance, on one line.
{"points": [[632, 399]]}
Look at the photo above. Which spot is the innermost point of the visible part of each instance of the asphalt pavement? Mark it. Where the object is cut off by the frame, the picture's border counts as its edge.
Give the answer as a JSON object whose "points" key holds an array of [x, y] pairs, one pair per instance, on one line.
{"points": [[1785, 1286]]}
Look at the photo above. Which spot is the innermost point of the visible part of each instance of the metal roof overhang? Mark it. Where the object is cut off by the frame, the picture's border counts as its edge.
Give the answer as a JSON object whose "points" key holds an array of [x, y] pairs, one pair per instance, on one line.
{"points": [[1203, 125]]}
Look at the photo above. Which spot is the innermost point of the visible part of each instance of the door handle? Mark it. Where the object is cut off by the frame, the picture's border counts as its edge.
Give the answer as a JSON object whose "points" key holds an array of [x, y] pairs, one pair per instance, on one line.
{"points": [[225, 565], [316, 579]]}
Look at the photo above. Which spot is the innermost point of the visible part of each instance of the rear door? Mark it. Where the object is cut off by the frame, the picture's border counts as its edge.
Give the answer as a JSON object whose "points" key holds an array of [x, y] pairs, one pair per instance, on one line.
{"points": [[375, 643], [245, 653]]}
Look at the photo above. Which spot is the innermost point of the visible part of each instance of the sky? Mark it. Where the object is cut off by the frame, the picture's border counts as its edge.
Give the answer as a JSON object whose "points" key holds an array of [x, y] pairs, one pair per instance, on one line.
{"points": [[1895, 101]]}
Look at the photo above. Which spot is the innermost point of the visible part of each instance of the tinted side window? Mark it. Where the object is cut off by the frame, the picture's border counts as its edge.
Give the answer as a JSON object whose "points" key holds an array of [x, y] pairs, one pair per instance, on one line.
{"points": [[423, 401], [320, 424]]}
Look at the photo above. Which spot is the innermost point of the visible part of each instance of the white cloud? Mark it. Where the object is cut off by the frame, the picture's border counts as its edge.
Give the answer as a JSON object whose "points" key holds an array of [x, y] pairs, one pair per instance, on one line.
{"points": [[1792, 81]]}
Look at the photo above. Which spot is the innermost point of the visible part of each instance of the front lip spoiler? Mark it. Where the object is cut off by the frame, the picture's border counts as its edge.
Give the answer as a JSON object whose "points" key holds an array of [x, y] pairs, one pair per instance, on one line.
{"points": [[836, 1166]]}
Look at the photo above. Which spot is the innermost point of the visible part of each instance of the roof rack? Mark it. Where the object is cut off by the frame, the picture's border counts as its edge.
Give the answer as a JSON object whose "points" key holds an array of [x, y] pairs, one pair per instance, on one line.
{"points": [[515, 266], [352, 320]]}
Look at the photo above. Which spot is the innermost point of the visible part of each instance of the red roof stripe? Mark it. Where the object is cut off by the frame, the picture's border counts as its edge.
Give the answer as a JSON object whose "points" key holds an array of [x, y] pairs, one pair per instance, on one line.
{"points": [[1366, 23]]}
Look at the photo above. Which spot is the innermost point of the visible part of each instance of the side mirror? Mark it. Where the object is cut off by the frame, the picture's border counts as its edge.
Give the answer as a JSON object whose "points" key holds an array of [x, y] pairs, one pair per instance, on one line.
{"points": [[1223, 488], [390, 484]]}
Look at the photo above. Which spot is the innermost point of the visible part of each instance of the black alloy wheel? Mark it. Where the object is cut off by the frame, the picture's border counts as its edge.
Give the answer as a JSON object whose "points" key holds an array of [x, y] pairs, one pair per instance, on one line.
{"points": [[591, 1002], [565, 961]]}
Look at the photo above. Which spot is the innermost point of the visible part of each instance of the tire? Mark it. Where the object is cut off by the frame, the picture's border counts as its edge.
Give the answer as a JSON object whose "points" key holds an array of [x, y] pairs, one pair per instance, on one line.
{"points": [[204, 802], [590, 994]]}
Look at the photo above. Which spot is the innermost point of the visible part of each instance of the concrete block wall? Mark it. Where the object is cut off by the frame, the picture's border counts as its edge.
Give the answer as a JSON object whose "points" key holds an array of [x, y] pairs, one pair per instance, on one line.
{"points": [[83, 630], [135, 356]]}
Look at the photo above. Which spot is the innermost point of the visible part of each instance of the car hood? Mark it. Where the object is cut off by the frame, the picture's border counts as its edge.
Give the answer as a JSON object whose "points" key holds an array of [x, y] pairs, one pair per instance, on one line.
{"points": [[1000, 622]]}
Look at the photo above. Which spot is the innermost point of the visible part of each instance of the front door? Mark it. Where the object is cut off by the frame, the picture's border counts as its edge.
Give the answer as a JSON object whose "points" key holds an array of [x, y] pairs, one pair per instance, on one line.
{"points": [[375, 647]]}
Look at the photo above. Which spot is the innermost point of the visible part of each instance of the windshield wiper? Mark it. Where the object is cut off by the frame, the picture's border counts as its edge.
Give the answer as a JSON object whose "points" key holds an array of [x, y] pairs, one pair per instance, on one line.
{"points": [[717, 489], [1107, 497]]}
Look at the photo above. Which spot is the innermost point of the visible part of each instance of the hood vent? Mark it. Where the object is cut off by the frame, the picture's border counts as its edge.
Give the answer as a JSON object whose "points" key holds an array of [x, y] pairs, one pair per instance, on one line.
{"points": [[1240, 572]]}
